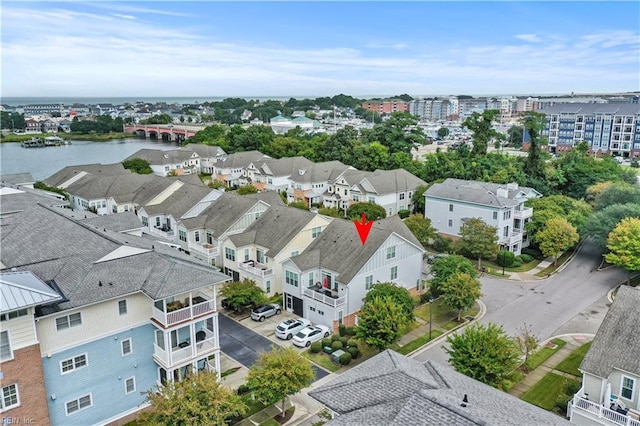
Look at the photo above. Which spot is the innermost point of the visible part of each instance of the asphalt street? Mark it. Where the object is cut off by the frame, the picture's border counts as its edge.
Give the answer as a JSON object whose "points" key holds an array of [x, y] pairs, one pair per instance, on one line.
{"points": [[570, 301], [245, 345]]}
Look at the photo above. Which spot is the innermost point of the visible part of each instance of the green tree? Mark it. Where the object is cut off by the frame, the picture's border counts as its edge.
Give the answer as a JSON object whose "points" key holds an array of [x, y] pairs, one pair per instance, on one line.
{"points": [[577, 212], [443, 132], [479, 239], [399, 133], [399, 295], [242, 293], [515, 134], [526, 341], [558, 235], [418, 199], [380, 321], [460, 291], [302, 205], [138, 165], [624, 243], [278, 374], [247, 189], [445, 267], [533, 123], [618, 193], [484, 353], [12, 120], [421, 228], [158, 119], [372, 210], [481, 125], [197, 400], [601, 223]]}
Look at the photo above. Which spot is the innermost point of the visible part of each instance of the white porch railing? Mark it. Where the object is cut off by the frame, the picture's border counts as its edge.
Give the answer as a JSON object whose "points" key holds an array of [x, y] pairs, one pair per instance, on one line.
{"points": [[512, 239], [207, 249], [525, 213], [209, 343], [166, 233], [602, 412], [256, 269], [184, 314], [174, 356], [327, 300]]}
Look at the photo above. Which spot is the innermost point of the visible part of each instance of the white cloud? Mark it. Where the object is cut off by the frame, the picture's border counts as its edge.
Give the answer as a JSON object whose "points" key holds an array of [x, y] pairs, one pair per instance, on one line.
{"points": [[531, 38], [120, 15], [387, 45]]}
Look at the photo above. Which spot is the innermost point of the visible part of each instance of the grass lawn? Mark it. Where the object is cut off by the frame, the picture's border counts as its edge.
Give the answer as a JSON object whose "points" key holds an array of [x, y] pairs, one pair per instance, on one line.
{"points": [[420, 341], [497, 269], [571, 363], [441, 312], [229, 372], [545, 393], [253, 405], [322, 359], [543, 354]]}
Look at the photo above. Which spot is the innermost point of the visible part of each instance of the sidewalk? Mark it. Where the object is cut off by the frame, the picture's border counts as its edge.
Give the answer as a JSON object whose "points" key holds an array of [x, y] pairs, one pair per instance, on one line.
{"points": [[530, 275], [574, 341]]}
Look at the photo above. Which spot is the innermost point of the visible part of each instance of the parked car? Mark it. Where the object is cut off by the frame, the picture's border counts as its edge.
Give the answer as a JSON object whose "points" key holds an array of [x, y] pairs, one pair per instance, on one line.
{"points": [[262, 312], [433, 257], [226, 305], [310, 334], [288, 328]]}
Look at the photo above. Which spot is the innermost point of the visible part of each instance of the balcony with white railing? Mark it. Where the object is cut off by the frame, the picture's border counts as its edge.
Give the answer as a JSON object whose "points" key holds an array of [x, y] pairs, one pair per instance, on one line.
{"points": [[255, 268], [599, 413], [206, 249], [524, 213], [326, 296], [514, 238], [176, 311], [162, 231]]}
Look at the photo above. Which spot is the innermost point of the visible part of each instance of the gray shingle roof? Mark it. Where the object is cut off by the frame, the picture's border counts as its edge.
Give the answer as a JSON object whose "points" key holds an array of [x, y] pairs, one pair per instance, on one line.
{"points": [[289, 166], [17, 178], [118, 222], [158, 157], [617, 342], [68, 172], [484, 193], [241, 159], [339, 249], [126, 188], [274, 229], [390, 181], [180, 201], [58, 248], [205, 151], [391, 389]]}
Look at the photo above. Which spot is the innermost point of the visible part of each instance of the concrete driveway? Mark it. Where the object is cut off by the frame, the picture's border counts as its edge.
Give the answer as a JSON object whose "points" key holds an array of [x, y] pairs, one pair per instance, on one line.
{"points": [[570, 301], [245, 345]]}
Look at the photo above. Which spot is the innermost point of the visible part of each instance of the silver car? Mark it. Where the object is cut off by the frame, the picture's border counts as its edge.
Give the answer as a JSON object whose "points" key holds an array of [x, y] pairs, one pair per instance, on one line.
{"points": [[288, 328], [260, 313]]}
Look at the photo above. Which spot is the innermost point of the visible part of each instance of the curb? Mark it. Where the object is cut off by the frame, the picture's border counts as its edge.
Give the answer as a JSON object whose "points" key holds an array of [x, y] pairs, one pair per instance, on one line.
{"points": [[439, 339], [610, 293]]}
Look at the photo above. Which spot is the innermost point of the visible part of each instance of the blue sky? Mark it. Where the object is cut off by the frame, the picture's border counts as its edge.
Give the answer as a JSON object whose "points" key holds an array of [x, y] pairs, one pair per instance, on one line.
{"points": [[318, 48]]}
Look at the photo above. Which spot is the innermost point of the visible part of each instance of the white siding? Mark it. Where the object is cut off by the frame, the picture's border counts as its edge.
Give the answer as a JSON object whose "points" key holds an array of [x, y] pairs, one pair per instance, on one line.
{"points": [[97, 320]]}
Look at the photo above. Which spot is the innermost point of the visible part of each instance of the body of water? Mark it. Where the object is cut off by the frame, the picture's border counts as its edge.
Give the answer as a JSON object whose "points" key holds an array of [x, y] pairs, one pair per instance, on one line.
{"points": [[43, 162]]}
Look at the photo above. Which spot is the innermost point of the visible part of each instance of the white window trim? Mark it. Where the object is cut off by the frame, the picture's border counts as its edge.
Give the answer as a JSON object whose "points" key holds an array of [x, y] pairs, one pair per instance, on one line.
{"points": [[4, 408], [126, 307], [134, 385], [633, 389], [66, 411], [73, 360], [130, 346], [68, 316], [10, 346]]}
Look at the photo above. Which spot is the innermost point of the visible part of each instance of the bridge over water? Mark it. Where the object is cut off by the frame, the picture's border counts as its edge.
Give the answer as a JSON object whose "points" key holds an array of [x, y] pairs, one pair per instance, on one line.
{"points": [[167, 132]]}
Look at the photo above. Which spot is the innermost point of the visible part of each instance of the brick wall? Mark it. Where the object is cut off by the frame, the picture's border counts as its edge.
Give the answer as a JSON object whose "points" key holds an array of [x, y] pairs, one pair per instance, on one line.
{"points": [[25, 369]]}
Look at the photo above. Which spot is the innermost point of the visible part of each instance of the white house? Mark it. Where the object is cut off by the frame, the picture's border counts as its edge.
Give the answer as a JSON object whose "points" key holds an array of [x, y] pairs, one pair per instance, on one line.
{"points": [[328, 281], [176, 161], [451, 203], [209, 155], [610, 393], [228, 170]]}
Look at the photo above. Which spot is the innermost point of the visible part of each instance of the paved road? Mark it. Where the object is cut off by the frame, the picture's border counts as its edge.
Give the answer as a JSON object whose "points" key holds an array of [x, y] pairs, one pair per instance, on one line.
{"points": [[571, 301], [244, 345]]}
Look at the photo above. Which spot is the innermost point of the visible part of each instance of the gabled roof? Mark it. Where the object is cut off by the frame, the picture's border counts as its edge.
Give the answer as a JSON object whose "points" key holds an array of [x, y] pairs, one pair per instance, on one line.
{"points": [[180, 201], [241, 159], [158, 157], [325, 171], [69, 172], [384, 182], [394, 390], [119, 222], [484, 193], [288, 166], [205, 151], [617, 342], [91, 265], [339, 249], [17, 178], [20, 290], [122, 188], [274, 229]]}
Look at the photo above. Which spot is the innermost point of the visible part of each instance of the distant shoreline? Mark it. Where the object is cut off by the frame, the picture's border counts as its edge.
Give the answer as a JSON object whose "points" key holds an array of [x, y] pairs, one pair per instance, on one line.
{"points": [[15, 138]]}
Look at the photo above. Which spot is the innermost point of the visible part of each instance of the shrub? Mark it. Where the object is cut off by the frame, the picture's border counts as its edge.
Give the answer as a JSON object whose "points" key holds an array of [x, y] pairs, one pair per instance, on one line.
{"points": [[344, 341], [424, 297], [316, 347], [336, 345], [403, 213], [326, 342], [352, 343], [506, 258], [516, 262], [335, 337], [526, 258], [350, 331], [355, 352], [345, 358], [342, 330], [532, 251], [243, 389], [442, 244]]}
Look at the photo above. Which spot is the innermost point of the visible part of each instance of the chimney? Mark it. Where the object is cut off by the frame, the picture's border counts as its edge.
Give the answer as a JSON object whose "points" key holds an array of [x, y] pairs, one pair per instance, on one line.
{"points": [[502, 192]]}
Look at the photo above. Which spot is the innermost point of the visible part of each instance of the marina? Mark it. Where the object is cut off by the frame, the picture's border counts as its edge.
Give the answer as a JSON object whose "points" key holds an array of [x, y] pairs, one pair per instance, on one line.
{"points": [[45, 142]]}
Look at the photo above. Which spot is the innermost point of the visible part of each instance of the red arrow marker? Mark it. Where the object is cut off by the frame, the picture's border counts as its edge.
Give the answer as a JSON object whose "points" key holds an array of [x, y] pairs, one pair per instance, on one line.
{"points": [[363, 228]]}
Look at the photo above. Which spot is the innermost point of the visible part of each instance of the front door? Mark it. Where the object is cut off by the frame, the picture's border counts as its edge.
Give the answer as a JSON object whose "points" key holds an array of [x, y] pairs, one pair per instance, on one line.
{"points": [[288, 302]]}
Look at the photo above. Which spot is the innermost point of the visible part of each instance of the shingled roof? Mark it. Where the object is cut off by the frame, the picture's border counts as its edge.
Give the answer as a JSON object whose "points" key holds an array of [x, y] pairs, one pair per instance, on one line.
{"points": [[394, 390], [484, 193], [63, 175], [158, 157], [89, 264], [339, 249], [617, 342]]}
